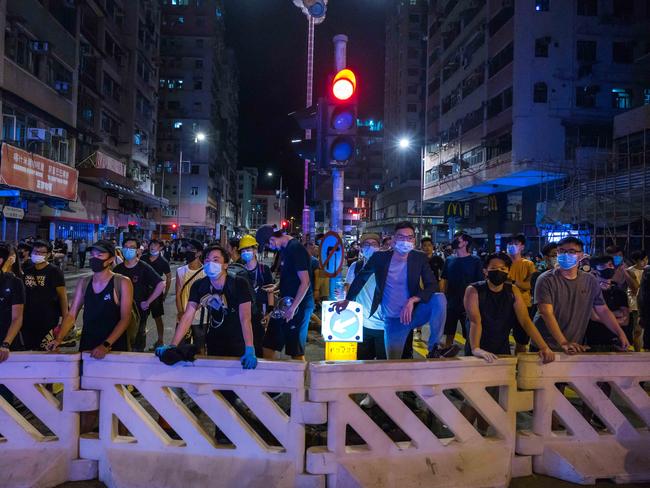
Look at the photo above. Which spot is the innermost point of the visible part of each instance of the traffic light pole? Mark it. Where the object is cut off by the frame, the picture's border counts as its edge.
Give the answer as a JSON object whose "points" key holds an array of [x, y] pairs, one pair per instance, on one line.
{"points": [[306, 212]]}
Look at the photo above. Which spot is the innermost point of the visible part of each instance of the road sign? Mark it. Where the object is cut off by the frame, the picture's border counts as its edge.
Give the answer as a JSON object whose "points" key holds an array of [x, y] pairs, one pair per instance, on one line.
{"points": [[13, 212], [346, 326], [331, 254]]}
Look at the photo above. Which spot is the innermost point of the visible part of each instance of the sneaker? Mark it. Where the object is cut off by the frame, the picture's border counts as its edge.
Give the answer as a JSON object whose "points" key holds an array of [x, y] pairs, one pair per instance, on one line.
{"points": [[443, 352]]}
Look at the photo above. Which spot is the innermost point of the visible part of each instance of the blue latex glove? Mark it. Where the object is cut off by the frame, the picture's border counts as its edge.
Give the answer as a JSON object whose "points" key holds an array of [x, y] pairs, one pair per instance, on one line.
{"points": [[160, 350], [249, 360]]}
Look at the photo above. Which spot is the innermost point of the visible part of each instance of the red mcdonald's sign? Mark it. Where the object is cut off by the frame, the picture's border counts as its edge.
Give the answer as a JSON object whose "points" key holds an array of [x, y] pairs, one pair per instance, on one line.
{"points": [[32, 172]]}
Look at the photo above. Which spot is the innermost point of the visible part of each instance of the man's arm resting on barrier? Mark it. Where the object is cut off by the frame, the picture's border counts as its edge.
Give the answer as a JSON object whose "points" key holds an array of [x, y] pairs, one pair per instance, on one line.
{"points": [[470, 301], [521, 311], [71, 316], [248, 360], [546, 311], [14, 328], [605, 316], [185, 323]]}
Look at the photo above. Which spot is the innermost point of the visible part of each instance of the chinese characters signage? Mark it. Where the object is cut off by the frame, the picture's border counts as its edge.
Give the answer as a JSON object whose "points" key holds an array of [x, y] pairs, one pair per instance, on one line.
{"points": [[32, 172]]}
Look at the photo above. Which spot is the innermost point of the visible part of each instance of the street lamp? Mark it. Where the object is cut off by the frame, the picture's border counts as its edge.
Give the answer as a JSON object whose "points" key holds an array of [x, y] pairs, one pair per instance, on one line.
{"points": [[404, 143], [198, 138], [279, 194]]}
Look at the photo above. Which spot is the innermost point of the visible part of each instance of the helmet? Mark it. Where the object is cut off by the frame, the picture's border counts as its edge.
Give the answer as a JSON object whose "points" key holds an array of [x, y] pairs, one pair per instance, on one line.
{"points": [[247, 241]]}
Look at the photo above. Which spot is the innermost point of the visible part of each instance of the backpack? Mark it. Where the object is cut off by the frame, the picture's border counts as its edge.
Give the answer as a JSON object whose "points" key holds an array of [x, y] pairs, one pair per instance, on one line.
{"points": [[236, 269], [134, 320]]}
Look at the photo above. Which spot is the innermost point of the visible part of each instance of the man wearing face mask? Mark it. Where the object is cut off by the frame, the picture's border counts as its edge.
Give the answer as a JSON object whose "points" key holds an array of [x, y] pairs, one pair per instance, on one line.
{"points": [[598, 337], [259, 276], [45, 297], [566, 299], [161, 266], [493, 307], [459, 270], [12, 302], [521, 273], [147, 285], [622, 277], [186, 275], [227, 301], [405, 303], [25, 253]]}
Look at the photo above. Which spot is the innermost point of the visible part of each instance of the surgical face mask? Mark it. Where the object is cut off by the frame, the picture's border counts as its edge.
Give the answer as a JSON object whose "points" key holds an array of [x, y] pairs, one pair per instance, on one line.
{"points": [[129, 254], [567, 261], [607, 273], [212, 269], [368, 251], [404, 247], [497, 277], [37, 259], [154, 253], [512, 249], [247, 256], [618, 260], [96, 264]]}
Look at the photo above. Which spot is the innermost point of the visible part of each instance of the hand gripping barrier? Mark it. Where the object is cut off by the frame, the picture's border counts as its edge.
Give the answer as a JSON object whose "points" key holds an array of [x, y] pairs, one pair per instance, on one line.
{"points": [[418, 455], [258, 444], [39, 425], [572, 448]]}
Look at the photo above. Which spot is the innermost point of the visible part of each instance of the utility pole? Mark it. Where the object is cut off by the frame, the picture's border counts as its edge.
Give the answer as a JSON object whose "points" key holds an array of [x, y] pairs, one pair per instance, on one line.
{"points": [[338, 174], [306, 212]]}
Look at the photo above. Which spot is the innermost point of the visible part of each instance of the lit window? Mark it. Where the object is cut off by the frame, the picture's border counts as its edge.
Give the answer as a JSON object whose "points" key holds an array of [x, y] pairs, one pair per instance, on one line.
{"points": [[542, 5], [178, 124], [621, 98], [646, 96]]}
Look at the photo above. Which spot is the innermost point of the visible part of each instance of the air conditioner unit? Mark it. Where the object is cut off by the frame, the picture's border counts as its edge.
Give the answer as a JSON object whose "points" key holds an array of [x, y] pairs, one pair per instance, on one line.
{"points": [[40, 46], [62, 86], [36, 134], [58, 132]]}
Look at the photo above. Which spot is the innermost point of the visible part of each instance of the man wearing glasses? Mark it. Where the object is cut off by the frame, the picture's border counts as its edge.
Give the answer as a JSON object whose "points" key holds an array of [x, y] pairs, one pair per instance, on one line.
{"points": [[405, 304], [566, 298]]}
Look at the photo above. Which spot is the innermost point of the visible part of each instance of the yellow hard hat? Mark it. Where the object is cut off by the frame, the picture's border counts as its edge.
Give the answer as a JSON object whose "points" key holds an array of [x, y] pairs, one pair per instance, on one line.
{"points": [[247, 241]]}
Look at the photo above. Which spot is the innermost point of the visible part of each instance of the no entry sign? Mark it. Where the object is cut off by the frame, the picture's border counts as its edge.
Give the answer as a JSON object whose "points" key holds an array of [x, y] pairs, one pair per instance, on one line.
{"points": [[331, 254]]}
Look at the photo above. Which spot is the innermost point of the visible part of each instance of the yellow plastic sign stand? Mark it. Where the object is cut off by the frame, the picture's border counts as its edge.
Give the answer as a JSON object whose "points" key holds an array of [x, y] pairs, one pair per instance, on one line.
{"points": [[340, 351]]}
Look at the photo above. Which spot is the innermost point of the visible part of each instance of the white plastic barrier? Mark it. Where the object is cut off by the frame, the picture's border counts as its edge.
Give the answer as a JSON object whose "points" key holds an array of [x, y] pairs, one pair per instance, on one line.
{"points": [[578, 452], [150, 457], [41, 450], [468, 459]]}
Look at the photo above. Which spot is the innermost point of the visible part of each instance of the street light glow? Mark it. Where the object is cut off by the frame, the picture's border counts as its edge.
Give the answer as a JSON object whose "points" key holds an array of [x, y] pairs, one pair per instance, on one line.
{"points": [[404, 143], [200, 137], [269, 174]]}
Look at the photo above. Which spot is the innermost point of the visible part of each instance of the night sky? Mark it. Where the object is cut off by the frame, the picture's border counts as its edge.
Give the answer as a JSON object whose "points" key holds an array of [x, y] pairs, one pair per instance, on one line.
{"points": [[270, 41]]}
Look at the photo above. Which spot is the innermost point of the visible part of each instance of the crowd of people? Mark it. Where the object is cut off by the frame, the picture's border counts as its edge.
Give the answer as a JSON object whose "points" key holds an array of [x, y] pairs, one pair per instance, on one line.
{"points": [[230, 303]]}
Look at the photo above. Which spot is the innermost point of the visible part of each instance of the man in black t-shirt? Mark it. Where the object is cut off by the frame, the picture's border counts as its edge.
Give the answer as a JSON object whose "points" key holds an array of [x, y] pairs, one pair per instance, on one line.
{"points": [[147, 285], [46, 300], [227, 300], [295, 266], [161, 266], [12, 301]]}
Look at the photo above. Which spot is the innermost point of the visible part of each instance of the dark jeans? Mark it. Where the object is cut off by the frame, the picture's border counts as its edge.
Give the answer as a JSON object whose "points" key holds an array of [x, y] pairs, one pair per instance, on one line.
{"points": [[141, 336], [82, 259]]}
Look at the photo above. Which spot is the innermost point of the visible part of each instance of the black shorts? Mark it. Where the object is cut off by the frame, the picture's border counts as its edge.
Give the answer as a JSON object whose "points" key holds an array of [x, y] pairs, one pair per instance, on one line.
{"points": [[451, 323], [156, 308], [290, 336]]}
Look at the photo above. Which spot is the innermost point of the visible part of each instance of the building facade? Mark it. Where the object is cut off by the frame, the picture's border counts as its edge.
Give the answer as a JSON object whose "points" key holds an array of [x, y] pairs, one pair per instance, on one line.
{"points": [[246, 185], [78, 103], [520, 96], [197, 136], [265, 209], [404, 113]]}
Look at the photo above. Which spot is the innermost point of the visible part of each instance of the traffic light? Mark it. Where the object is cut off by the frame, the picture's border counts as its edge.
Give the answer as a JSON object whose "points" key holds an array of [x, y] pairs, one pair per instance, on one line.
{"points": [[174, 226], [285, 224], [340, 120]]}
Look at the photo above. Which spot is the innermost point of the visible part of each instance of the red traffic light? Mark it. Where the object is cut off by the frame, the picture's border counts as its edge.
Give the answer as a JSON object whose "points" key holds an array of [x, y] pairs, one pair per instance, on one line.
{"points": [[344, 84], [285, 224], [174, 226]]}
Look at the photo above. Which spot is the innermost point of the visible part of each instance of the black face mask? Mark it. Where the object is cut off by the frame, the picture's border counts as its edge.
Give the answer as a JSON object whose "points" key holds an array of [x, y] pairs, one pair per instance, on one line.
{"points": [[497, 277], [97, 264], [190, 256], [607, 273], [455, 244]]}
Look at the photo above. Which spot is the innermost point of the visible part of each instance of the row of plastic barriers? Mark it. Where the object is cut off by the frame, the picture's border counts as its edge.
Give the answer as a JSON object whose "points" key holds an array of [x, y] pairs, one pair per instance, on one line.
{"points": [[132, 422]]}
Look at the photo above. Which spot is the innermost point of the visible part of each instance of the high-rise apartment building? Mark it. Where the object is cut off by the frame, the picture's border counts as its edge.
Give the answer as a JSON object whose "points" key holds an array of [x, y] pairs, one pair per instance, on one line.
{"points": [[520, 95], [197, 121], [246, 185]]}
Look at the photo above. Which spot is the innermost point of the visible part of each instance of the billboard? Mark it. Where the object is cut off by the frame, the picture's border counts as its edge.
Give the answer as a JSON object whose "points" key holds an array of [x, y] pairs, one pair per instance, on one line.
{"points": [[32, 172]]}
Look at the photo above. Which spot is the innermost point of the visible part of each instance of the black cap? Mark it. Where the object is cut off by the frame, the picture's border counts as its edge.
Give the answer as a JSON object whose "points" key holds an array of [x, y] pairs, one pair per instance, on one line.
{"points": [[196, 244], [263, 235], [104, 245]]}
